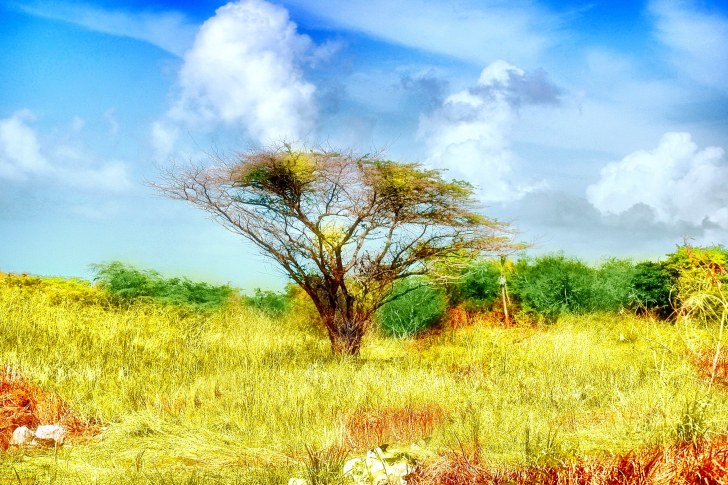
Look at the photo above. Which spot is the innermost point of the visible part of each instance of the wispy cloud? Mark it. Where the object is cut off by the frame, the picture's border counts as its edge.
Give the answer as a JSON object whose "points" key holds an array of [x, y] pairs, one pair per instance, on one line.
{"points": [[24, 159], [697, 39], [245, 69], [169, 30], [479, 32], [20, 155]]}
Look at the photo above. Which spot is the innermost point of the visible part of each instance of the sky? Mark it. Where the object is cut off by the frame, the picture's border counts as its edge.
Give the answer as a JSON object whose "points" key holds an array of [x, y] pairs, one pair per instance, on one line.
{"points": [[596, 128]]}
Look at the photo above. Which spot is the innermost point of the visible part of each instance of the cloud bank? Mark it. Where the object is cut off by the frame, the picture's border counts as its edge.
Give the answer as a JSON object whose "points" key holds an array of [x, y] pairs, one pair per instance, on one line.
{"points": [[676, 180], [245, 69], [23, 159], [469, 134]]}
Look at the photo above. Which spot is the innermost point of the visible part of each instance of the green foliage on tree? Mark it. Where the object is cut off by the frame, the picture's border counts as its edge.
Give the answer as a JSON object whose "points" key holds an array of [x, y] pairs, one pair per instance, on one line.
{"points": [[477, 288], [612, 286]]}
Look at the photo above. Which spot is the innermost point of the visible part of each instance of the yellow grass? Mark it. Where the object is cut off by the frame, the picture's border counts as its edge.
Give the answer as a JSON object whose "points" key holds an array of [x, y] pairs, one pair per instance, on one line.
{"points": [[238, 397]]}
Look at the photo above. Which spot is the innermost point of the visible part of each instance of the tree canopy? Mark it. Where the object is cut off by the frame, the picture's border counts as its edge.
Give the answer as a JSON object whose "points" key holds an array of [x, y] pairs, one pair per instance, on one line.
{"points": [[343, 226]]}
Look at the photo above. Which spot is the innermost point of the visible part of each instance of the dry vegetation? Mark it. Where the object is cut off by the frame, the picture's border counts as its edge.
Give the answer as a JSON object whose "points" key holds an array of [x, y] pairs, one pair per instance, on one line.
{"points": [[155, 395]]}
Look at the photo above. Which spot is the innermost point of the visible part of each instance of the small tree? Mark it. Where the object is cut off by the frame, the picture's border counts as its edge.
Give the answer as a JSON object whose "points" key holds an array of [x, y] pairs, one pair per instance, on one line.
{"points": [[343, 227]]}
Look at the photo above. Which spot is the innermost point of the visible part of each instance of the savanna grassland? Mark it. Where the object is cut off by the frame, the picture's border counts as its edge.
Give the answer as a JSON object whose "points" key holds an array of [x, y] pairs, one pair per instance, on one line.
{"points": [[162, 394]]}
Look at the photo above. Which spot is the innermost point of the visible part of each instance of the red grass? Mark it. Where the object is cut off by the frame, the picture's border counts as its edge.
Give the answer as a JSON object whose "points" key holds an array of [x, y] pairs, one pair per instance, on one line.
{"points": [[704, 362], [457, 317], [366, 428], [23, 403], [702, 462]]}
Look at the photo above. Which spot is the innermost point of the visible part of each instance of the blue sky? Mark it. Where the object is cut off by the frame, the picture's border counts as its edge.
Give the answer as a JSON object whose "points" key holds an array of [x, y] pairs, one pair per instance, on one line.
{"points": [[598, 128]]}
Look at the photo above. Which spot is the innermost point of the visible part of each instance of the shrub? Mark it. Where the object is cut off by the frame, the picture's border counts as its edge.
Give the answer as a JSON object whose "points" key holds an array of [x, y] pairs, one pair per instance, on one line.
{"points": [[650, 288], [479, 286], [696, 270], [269, 302], [612, 285], [413, 306], [125, 283], [698, 274], [300, 302], [58, 290], [554, 285]]}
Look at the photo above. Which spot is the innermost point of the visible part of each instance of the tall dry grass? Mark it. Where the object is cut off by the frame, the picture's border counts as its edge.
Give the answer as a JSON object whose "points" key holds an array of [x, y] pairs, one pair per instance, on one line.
{"points": [[239, 397]]}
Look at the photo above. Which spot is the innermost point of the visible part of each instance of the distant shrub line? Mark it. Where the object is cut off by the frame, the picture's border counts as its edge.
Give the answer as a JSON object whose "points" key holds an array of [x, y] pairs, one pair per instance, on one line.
{"points": [[555, 285], [125, 283], [547, 286]]}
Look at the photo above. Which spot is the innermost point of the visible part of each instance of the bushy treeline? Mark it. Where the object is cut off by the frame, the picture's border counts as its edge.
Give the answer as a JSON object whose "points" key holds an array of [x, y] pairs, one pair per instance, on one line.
{"points": [[553, 285], [547, 286], [125, 283], [116, 283]]}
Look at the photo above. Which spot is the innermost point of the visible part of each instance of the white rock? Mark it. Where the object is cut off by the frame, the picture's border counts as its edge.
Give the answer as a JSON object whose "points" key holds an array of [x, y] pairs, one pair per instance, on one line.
{"points": [[353, 468], [379, 467], [50, 435], [22, 436], [298, 481]]}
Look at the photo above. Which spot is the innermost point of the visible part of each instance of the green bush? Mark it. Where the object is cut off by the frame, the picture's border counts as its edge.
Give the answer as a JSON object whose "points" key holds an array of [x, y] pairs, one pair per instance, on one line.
{"points": [[696, 270], [651, 288], [709, 262], [126, 283], [612, 286], [698, 276], [413, 306], [269, 302], [554, 285], [479, 286]]}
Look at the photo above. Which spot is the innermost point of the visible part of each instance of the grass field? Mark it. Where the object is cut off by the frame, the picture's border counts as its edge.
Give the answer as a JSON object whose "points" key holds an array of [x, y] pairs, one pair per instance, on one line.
{"points": [[157, 395]]}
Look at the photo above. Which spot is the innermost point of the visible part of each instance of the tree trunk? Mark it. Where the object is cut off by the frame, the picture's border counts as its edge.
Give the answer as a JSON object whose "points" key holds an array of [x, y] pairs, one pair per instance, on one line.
{"points": [[505, 305], [344, 324], [346, 346], [345, 335], [504, 294]]}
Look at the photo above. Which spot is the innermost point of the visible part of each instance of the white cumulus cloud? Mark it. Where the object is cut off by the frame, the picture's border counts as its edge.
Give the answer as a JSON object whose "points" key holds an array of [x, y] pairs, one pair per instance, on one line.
{"points": [[680, 182], [23, 158], [470, 133], [244, 69]]}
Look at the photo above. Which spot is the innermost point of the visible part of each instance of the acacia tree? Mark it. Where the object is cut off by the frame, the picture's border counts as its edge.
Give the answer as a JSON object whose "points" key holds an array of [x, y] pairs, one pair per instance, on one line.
{"points": [[343, 227]]}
